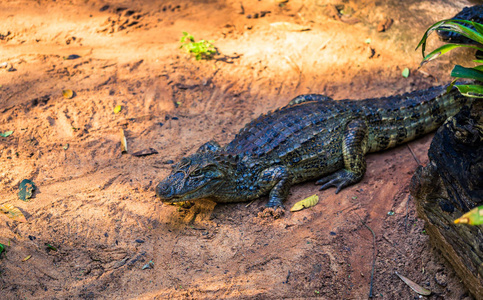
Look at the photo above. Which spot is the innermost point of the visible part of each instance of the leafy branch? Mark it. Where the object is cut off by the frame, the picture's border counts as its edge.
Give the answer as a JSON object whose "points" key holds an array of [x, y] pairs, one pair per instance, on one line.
{"points": [[459, 72], [201, 50]]}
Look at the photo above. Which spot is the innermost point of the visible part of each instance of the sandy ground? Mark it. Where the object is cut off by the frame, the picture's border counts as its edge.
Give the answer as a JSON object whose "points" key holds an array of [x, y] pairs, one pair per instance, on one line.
{"points": [[97, 207]]}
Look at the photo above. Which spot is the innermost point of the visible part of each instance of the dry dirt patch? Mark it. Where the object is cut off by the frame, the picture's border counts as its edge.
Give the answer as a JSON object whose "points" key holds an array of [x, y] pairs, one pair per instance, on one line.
{"points": [[97, 206]]}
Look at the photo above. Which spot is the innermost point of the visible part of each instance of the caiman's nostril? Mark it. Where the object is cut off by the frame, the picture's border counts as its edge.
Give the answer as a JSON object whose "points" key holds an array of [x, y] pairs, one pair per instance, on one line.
{"points": [[164, 190]]}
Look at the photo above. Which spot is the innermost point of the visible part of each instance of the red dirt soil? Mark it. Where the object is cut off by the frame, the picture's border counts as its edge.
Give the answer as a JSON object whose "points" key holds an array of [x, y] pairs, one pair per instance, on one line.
{"points": [[97, 207]]}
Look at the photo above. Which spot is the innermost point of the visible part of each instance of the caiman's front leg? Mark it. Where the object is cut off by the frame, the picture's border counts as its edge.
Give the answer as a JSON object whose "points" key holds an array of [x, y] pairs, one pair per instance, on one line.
{"points": [[279, 180], [354, 146]]}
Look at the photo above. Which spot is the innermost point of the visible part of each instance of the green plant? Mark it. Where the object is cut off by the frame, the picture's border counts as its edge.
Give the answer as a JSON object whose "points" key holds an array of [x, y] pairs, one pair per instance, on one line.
{"points": [[473, 217], [459, 72], [201, 50]]}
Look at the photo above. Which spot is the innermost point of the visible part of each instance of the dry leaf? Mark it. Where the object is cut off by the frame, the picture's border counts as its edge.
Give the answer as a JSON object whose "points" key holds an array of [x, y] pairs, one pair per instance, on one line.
{"points": [[68, 94], [117, 109], [306, 203], [414, 286], [13, 212], [123, 142], [289, 26], [27, 258]]}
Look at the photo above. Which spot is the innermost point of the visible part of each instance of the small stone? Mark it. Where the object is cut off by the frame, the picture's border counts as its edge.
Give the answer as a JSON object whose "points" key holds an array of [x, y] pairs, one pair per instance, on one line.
{"points": [[441, 278]]}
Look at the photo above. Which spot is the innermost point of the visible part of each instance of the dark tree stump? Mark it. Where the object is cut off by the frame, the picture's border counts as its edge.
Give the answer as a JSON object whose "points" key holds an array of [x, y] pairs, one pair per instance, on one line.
{"points": [[450, 185]]}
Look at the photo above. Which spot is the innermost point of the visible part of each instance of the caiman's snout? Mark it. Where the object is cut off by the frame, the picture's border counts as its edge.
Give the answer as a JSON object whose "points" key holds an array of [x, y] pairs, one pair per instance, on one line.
{"points": [[164, 191]]}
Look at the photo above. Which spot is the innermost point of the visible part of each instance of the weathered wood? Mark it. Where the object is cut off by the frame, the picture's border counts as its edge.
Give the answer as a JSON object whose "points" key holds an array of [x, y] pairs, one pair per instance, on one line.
{"points": [[450, 185]]}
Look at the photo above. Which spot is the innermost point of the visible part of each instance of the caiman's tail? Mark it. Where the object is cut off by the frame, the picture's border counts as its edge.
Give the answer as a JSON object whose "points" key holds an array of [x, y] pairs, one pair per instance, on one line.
{"points": [[402, 118]]}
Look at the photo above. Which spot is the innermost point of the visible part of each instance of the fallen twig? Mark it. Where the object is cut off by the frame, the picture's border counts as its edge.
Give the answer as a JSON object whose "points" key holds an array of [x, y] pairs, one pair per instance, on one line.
{"points": [[373, 254], [414, 156], [250, 203]]}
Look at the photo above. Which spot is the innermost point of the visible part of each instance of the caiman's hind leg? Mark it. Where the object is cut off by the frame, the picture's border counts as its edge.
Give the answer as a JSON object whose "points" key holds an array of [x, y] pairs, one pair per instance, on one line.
{"points": [[354, 145]]}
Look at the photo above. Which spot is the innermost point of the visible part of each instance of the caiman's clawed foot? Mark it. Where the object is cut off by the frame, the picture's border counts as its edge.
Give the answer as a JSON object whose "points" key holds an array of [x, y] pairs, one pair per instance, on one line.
{"points": [[272, 212], [339, 179]]}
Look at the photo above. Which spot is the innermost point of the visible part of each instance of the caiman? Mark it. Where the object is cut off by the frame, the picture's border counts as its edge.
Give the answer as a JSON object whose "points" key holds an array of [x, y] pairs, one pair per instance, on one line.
{"points": [[313, 137]]}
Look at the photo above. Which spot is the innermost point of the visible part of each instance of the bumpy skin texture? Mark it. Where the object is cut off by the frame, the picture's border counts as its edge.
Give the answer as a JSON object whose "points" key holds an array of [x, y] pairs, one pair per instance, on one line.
{"points": [[313, 137], [472, 13]]}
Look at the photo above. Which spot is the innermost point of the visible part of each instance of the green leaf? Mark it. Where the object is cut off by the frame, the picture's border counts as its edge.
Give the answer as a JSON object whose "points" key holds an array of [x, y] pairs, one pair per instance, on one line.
{"points": [[6, 133], [478, 27], [454, 26], [470, 73], [470, 90], [26, 189], [473, 217], [445, 48], [50, 247], [2, 248], [422, 42], [451, 85], [405, 73], [201, 49]]}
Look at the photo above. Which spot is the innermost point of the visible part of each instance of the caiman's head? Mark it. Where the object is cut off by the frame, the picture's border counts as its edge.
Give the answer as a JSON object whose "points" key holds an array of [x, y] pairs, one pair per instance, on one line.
{"points": [[198, 176]]}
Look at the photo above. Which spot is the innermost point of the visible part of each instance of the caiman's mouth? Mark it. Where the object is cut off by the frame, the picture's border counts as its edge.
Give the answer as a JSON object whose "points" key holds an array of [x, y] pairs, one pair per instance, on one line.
{"points": [[167, 194]]}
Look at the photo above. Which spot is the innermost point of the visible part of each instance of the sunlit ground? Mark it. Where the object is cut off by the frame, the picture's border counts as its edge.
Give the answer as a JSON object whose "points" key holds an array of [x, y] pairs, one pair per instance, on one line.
{"points": [[97, 206]]}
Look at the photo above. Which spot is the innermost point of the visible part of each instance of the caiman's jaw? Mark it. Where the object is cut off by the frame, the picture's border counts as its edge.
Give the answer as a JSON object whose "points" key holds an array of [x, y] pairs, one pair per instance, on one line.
{"points": [[167, 193], [195, 177]]}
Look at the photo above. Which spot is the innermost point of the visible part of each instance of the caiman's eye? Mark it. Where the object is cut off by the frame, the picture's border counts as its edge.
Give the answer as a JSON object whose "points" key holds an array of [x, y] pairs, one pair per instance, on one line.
{"points": [[196, 173]]}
